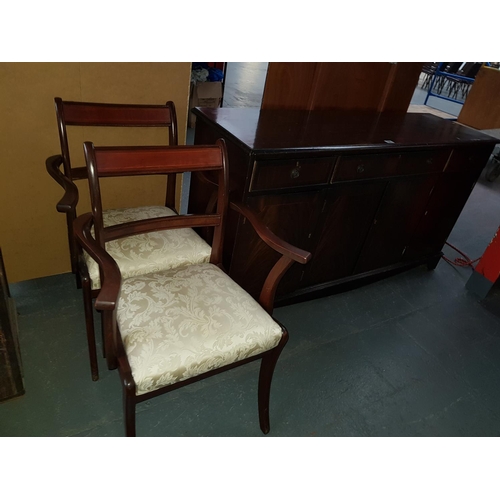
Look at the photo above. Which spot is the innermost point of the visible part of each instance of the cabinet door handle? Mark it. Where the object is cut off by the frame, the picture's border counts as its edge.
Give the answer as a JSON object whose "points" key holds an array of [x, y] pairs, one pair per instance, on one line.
{"points": [[295, 173], [361, 169]]}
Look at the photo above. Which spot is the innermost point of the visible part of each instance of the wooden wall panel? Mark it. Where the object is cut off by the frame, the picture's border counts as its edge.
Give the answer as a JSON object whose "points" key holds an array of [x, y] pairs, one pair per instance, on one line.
{"points": [[481, 109], [372, 86], [32, 232], [400, 87], [350, 85], [289, 85]]}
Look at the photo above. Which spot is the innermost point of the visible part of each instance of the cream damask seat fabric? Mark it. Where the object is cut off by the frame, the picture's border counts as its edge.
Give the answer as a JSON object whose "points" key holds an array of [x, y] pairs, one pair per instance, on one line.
{"points": [[150, 252], [180, 323]]}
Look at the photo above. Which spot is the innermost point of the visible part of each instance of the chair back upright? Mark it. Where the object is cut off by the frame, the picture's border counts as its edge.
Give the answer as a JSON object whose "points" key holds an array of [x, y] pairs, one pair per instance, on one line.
{"points": [[158, 160], [85, 114]]}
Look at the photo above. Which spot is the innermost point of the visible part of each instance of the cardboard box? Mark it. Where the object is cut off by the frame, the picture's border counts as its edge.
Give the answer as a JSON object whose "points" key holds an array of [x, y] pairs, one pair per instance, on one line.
{"points": [[204, 95]]}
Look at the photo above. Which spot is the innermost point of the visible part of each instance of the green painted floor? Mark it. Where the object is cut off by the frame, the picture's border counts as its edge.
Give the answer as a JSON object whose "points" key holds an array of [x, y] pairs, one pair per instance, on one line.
{"points": [[412, 355]]}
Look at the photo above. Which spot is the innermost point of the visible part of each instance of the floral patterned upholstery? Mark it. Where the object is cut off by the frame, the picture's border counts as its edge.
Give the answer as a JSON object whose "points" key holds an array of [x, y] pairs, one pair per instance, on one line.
{"points": [[149, 252], [180, 323]]}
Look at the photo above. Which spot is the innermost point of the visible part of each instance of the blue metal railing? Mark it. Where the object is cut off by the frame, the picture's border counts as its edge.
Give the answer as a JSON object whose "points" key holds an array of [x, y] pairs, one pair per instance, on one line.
{"points": [[439, 73]]}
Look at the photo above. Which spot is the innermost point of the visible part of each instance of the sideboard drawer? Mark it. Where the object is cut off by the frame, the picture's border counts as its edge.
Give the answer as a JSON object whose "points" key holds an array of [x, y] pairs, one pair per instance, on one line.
{"points": [[463, 160], [369, 166], [279, 174], [420, 162]]}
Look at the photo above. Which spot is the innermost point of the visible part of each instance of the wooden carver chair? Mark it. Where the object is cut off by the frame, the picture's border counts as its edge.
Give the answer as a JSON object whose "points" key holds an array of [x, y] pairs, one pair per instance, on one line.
{"points": [[90, 114], [149, 253], [170, 328]]}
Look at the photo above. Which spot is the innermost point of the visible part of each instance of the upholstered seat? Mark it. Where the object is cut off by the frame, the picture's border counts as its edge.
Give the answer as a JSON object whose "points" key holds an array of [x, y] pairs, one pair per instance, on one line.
{"points": [[177, 324], [150, 252]]}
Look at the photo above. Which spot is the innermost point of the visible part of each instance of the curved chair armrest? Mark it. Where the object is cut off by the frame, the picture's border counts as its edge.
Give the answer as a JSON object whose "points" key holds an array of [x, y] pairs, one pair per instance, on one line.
{"points": [[70, 199], [289, 255], [275, 242], [111, 276]]}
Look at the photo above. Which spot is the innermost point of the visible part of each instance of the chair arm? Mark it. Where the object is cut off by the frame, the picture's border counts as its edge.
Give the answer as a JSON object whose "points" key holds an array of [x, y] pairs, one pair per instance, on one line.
{"points": [[275, 242], [70, 199], [111, 276], [289, 254]]}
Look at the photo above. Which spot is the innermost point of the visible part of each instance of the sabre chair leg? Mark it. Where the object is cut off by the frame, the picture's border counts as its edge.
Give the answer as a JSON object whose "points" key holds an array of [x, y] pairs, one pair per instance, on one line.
{"points": [[89, 324], [129, 407], [267, 366]]}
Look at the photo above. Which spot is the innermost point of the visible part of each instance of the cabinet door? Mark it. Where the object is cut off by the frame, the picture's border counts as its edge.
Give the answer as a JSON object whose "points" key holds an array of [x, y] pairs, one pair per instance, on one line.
{"points": [[401, 209], [348, 214], [290, 216], [445, 205], [447, 201]]}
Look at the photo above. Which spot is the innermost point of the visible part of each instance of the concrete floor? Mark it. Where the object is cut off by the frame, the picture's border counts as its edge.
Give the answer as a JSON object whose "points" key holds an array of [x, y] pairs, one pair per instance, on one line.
{"points": [[419, 96], [412, 355], [244, 84]]}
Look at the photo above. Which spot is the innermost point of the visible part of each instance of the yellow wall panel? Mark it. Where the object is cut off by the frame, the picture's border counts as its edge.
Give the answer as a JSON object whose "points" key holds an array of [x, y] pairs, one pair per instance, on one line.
{"points": [[32, 233]]}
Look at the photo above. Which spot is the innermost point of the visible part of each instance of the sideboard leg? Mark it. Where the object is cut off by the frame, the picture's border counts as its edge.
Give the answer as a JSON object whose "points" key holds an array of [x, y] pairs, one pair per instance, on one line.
{"points": [[432, 263]]}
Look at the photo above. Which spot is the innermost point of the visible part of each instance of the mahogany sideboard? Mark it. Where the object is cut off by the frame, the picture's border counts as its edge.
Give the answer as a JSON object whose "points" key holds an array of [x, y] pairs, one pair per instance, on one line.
{"points": [[368, 194]]}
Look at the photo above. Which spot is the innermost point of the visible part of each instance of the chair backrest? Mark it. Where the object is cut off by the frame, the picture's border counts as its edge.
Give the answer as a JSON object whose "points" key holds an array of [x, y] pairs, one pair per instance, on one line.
{"points": [[452, 68], [464, 70], [73, 113], [473, 71], [158, 160], [429, 67]]}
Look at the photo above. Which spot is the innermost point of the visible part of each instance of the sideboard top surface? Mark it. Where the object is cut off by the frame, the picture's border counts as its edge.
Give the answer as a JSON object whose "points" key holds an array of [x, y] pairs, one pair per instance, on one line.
{"points": [[274, 131]]}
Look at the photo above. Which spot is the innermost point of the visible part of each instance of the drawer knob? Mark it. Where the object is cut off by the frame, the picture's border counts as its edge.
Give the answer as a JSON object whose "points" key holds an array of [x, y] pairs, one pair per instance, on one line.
{"points": [[295, 173], [429, 161], [361, 169]]}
